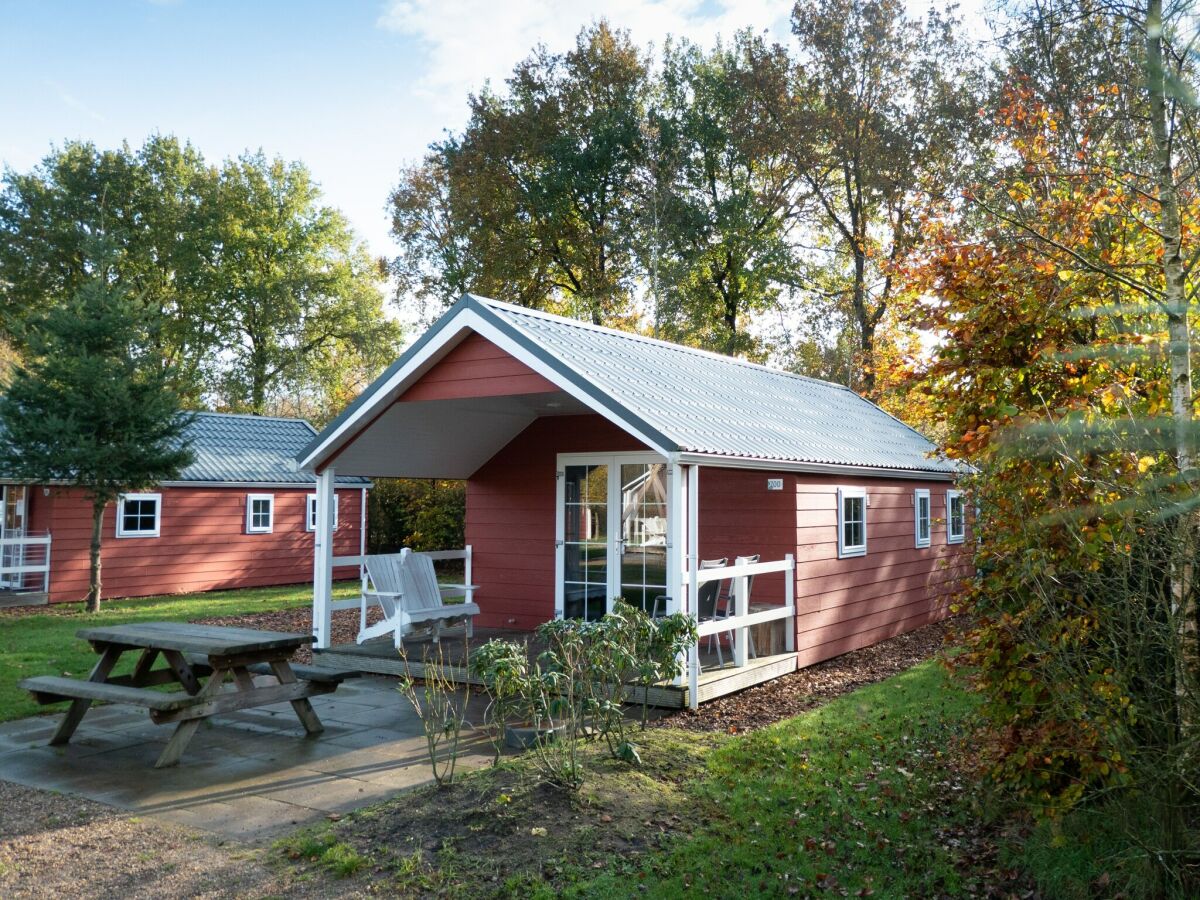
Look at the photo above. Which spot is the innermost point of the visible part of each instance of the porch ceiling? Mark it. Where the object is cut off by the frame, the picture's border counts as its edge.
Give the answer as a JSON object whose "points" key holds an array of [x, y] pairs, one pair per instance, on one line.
{"points": [[445, 438]]}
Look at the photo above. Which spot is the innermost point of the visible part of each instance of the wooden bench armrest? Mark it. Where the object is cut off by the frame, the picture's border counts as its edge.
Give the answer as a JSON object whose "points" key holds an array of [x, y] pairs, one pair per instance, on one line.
{"points": [[367, 592]]}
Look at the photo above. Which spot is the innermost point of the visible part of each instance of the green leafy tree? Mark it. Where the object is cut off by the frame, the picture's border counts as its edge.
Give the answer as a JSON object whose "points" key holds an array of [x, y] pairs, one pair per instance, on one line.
{"points": [[93, 406], [299, 302], [422, 514], [725, 196], [145, 203], [884, 115], [535, 200], [266, 302]]}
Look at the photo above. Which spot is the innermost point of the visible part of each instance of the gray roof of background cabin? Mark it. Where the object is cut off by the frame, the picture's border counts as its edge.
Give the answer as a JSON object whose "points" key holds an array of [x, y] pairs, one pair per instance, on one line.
{"points": [[708, 403], [249, 450]]}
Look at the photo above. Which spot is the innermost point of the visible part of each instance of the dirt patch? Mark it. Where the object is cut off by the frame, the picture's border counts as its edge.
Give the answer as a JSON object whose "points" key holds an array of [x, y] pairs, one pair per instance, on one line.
{"points": [[53, 845], [808, 688], [502, 830]]}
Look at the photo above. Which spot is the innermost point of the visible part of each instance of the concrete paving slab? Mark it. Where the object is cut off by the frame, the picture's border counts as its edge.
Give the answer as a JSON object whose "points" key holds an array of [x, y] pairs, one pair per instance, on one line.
{"points": [[249, 775]]}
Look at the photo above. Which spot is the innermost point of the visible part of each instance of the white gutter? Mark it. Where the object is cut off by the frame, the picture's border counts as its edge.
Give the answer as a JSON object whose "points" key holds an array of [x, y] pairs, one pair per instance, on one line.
{"points": [[778, 465]]}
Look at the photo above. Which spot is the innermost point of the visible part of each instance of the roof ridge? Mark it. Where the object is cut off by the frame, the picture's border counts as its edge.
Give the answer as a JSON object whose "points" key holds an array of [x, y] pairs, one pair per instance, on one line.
{"points": [[251, 416], [669, 345]]}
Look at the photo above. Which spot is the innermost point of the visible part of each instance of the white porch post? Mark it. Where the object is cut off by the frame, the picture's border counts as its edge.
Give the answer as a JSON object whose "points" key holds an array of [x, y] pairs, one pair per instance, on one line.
{"points": [[323, 558], [676, 552], [693, 566], [789, 634], [676, 543]]}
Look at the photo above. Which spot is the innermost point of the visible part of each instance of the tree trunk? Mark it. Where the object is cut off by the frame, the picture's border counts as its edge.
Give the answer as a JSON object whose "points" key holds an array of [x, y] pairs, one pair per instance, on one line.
{"points": [[866, 327], [1179, 338], [93, 597]]}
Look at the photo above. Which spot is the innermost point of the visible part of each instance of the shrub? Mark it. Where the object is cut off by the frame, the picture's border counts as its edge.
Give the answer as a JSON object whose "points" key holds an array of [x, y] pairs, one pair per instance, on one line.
{"points": [[442, 707]]}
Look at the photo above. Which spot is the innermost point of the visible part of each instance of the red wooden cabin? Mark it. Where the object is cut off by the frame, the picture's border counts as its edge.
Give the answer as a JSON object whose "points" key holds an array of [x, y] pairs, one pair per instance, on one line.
{"points": [[242, 515], [604, 465]]}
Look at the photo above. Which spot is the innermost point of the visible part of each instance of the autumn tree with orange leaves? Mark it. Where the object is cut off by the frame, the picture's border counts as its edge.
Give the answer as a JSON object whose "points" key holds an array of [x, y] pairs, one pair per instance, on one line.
{"points": [[1060, 291]]}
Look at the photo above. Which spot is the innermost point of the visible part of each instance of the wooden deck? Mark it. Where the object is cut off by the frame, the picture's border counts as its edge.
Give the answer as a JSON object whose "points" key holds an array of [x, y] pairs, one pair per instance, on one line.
{"points": [[381, 658], [10, 598]]}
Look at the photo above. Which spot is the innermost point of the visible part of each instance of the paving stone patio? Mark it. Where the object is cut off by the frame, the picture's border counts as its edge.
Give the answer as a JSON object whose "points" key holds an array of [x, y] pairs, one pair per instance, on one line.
{"points": [[249, 775]]}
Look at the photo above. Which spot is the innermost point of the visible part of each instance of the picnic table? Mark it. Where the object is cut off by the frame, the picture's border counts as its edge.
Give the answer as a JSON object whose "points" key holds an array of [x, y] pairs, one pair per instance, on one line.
{"points": [[200, 658]]}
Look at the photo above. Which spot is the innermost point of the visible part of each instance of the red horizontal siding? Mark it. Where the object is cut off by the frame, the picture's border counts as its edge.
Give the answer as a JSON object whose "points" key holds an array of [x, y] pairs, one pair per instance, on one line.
{"points": [[510, 516], [202, 544], [477, 368], [846, 604]]}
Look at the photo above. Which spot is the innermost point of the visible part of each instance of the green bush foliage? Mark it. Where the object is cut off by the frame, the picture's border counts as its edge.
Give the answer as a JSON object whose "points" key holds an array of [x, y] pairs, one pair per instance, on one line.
{"points": [[422, 514]]}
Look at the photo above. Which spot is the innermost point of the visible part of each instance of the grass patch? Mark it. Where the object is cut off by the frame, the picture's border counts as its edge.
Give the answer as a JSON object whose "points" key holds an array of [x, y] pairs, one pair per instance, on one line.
{"points": [[855, 796], [320, 847], [1092, 851], [45, 643], [858, 795]]}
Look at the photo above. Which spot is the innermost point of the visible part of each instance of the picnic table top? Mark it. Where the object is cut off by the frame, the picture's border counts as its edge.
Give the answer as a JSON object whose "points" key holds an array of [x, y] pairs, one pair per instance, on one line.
{"points": [[209, 640]]}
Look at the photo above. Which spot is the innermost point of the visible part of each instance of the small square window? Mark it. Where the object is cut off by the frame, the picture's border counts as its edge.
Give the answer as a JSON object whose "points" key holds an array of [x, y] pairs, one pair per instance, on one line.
{"points": [[310, 522], [260, 513], [852, 522], [138, 515], [956, 518], [922, 509]]}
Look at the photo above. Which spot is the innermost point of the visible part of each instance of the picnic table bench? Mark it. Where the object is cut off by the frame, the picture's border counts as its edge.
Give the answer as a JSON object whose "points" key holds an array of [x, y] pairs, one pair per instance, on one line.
{"points": [[200, 658]]}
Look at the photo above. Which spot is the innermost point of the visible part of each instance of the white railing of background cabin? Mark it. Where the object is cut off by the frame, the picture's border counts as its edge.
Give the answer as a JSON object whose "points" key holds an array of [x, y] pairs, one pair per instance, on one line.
{"points": [[25, 555]]}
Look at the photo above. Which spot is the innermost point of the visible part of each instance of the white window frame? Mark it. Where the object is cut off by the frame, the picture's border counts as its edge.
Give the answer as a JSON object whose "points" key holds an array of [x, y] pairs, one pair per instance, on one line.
{"points": [[918, 495], [122, 533], [844, 551], [310, 512], [251, 528], [951, 537]]}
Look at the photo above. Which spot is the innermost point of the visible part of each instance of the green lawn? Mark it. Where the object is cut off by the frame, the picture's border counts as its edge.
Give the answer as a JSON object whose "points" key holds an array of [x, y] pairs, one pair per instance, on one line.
{"points": [[858, 795], [45, 643]]}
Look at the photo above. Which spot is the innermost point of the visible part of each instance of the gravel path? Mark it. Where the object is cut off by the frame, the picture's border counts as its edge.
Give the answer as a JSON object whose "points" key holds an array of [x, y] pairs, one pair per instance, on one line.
{"points": [[53, 845]]}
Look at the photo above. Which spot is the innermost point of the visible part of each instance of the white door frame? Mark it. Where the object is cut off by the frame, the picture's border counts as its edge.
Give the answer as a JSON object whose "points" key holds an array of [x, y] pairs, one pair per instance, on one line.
{"points": [[614, 462]]}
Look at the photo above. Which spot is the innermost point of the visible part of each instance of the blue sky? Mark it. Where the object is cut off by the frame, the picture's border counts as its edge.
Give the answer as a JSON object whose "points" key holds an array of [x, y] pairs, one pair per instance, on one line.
{"points": [[353, 88]]}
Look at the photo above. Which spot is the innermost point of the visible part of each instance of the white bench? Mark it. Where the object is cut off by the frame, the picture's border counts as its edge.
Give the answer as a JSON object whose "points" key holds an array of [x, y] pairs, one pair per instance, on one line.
{"points": [[405, 586]]}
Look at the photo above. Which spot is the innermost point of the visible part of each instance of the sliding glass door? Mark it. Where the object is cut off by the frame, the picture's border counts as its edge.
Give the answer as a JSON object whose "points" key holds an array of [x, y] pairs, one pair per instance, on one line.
{"points": [[612, 533]]}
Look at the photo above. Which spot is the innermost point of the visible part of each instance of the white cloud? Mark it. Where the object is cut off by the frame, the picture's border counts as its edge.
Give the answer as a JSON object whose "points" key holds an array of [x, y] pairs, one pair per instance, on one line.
{"points": [[69, 99], [468, 42]]}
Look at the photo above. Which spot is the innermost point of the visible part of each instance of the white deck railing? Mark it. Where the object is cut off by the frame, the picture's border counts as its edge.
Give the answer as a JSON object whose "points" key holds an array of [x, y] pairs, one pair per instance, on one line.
{"points": [[24, 556], [741, 620]]}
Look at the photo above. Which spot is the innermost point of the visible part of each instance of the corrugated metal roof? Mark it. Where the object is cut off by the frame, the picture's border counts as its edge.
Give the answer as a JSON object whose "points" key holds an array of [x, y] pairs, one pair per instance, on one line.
{"points": [[707, 403], [249, 449]]}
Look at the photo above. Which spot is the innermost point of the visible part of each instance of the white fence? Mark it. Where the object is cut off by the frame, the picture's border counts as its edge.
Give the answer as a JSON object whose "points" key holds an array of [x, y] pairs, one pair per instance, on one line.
{"points": [[741, 619], [25, 563]]}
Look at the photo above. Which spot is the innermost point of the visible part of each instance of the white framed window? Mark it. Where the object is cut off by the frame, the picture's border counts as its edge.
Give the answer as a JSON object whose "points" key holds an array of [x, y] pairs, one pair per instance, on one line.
{"points": [[921, 510], [138, 515], [852, 522], [310, 521], [956, 518], [260, 513]]}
